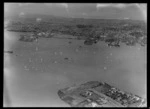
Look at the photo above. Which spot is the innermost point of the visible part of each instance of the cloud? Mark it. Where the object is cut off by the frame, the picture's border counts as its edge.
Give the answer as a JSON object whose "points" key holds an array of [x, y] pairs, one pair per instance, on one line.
{"points": [[116, 5], [126, 18], [6, 6], [38, 19], [143, 9], [141, 6], [24, 4], [48, 4], [102, 5], [63, 5], [84, 14], [21, 14]]}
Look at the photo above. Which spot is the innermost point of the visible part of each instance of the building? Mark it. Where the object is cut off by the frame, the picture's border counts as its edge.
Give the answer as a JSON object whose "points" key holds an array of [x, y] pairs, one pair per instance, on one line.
{"points": [[98, 94]]}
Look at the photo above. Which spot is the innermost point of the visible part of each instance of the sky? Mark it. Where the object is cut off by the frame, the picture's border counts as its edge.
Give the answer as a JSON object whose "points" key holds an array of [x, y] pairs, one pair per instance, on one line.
{"points": [[134, 11]]}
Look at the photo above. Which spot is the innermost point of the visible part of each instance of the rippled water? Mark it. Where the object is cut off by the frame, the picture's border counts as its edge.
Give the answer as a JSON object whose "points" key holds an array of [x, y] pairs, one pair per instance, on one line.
{"points": [[37, 70]]}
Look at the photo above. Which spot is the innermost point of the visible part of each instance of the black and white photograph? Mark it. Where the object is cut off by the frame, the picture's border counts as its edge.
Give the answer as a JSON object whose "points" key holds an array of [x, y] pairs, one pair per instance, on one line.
{"points": [[75, 54]]}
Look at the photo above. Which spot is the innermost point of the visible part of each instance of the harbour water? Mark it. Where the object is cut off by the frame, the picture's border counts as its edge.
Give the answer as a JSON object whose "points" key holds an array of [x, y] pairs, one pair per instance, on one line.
{"points": [[37, 70]]}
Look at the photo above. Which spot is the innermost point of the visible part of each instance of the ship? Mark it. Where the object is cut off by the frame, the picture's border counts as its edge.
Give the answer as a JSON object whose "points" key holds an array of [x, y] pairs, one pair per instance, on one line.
{"points": [[99, 94]]}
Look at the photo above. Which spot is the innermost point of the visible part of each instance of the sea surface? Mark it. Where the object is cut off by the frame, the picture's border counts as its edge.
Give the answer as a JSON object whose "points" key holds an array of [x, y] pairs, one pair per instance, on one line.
{"points": [[37, 70]]}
